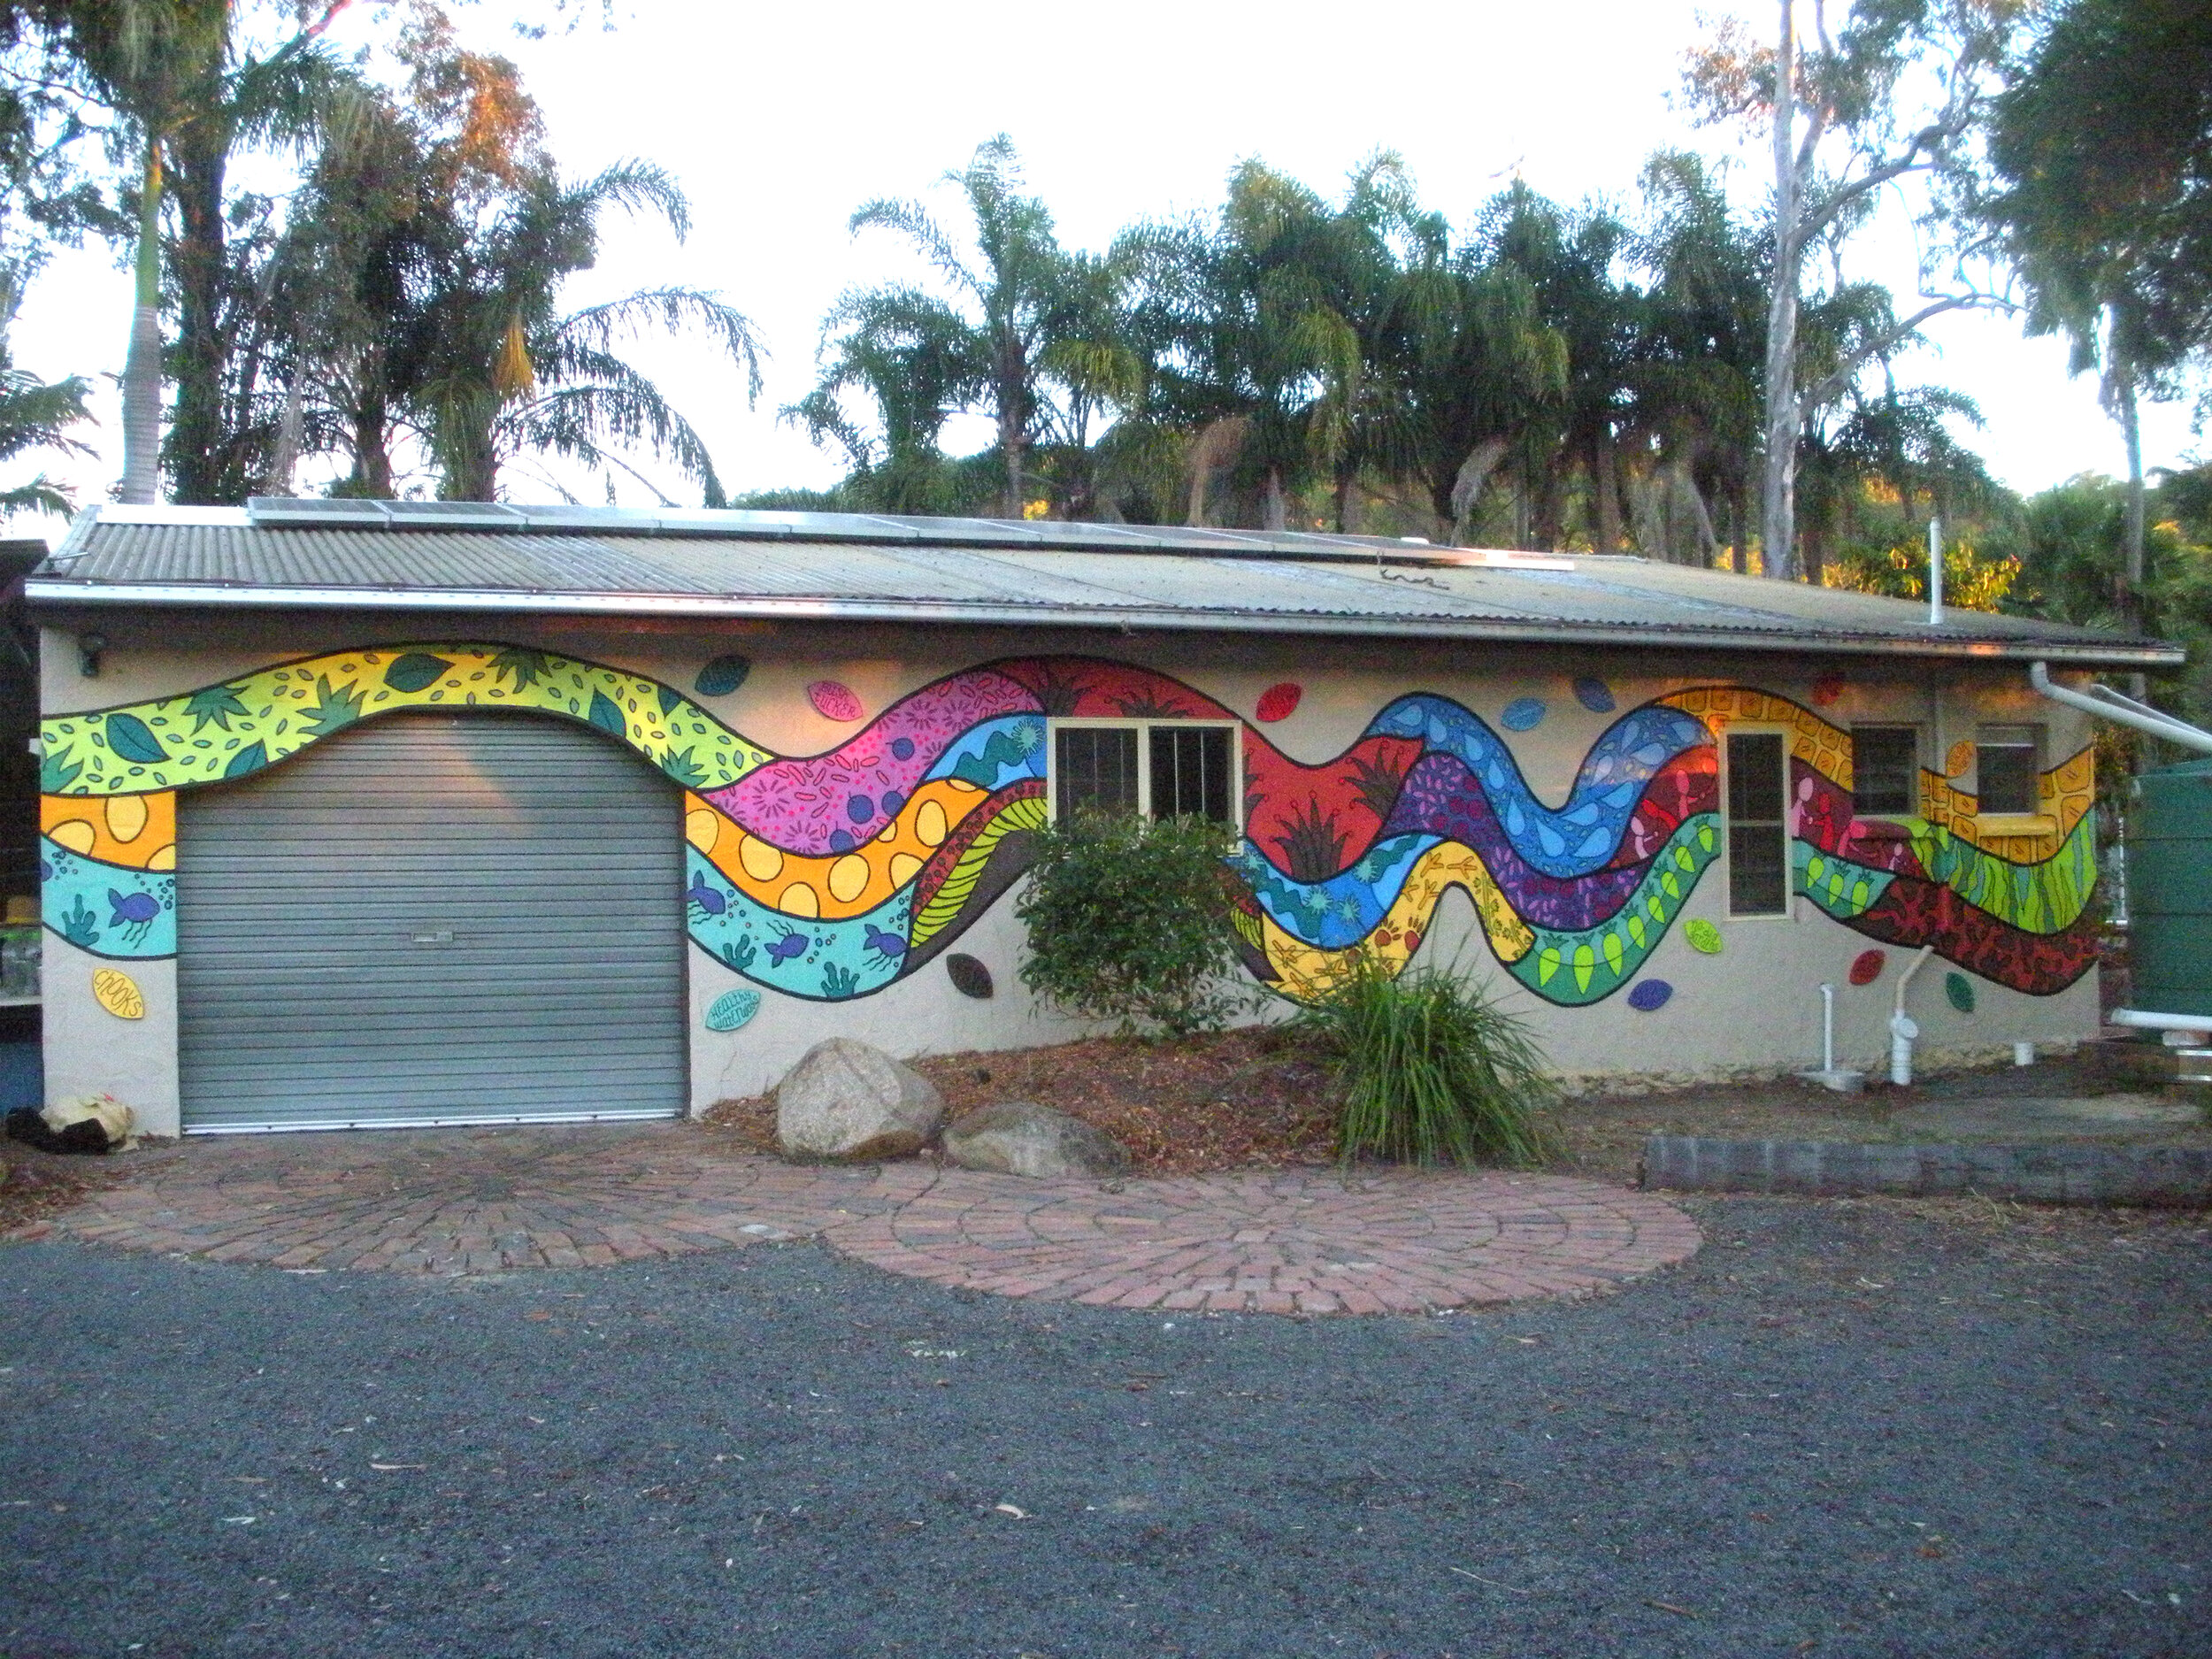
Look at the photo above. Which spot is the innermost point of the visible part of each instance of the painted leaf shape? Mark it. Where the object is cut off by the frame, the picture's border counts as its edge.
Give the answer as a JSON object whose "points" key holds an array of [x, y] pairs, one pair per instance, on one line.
{"points": [[833, 699], [1524, 714], [253, 757], [1279, 702], [669, 697], [416, 670], [1702, 936], [1867, 966], [722, 675], [129, 738], [968, 976], [607, 715], [1594, 694], [732, 1009], [1958, 990], [1649, 996], [118, 992]]}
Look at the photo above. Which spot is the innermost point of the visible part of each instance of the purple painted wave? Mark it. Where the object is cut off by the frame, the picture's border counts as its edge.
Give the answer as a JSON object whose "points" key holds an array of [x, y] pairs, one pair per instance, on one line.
{"points": [[835, 802]]}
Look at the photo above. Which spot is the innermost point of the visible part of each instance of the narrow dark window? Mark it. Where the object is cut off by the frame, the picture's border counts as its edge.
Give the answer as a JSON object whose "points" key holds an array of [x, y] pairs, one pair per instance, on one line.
{"points": [[2006, 759], [1190, 773], [1885, 770], [1094, 769], [1758, 834]]}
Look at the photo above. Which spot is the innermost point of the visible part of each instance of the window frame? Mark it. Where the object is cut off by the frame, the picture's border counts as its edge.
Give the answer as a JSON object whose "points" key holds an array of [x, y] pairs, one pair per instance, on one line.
{"points": [[1788, 911], [1914, 801], [1055, 724], [2038, 746]]}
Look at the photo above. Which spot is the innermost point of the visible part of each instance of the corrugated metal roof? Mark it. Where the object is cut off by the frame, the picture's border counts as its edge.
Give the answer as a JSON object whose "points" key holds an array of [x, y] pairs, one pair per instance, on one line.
{"points": [[493, 556]]}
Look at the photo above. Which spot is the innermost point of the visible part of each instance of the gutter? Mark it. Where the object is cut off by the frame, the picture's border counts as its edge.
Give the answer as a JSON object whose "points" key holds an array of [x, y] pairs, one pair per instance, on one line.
{"points": [[52, 590]]}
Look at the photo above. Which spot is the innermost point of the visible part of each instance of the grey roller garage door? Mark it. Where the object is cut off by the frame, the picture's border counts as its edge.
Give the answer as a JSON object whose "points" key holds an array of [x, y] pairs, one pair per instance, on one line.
{"points": [[433, 918]]}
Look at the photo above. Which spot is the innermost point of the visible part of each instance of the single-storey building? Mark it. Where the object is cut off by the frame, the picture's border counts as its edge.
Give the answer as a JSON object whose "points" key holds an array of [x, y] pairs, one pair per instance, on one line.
{"points": [[361, 813]]}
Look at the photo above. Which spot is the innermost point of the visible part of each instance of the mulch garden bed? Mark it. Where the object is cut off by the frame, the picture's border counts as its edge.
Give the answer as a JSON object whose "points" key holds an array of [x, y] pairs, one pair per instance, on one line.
{"points": [[1231, 1100], [36, 1183], [1260, 1097]]}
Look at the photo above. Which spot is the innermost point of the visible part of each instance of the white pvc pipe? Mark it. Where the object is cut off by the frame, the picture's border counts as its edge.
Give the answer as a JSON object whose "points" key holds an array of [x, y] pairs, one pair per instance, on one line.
{"points": [[2202, 1024], [1903, 1032], [1935, 573], [2123, 711], [1828, 1028]]}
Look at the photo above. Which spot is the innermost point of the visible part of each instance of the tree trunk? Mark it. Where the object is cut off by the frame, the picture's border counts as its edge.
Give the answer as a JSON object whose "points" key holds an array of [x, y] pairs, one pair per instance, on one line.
{"points": [[2131, 435], [1459, 502], [142, 367], [1604, 492], [1708, 543], [1272, 513], [1217, 444], [284, 455], [202, 451], [371, 475], [1778, 497]]}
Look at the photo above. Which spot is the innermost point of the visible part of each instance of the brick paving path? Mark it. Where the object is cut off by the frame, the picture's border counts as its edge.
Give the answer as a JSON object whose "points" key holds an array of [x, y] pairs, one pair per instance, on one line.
{"points": [[494, 1200]]}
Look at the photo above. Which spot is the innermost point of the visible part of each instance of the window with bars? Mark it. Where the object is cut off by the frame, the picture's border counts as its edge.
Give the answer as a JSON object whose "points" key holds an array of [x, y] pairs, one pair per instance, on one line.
{"points": [[1885, 770], [1758, 825], [1154, 769]]}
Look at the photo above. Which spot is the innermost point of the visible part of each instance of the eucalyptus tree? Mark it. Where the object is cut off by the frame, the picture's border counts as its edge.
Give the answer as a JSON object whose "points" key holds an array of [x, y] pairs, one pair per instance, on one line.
{"points": [[1010, 295], [1844, 120], [2103, 153]]}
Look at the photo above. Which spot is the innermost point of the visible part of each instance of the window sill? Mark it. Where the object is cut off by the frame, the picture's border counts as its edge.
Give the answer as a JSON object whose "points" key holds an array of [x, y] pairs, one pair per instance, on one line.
{"points": [[2016, 823]]}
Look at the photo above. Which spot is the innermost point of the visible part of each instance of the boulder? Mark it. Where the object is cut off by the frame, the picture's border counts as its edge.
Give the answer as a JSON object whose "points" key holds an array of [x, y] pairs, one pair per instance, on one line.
{"points": [[847, 1103], [1018, 1137]]}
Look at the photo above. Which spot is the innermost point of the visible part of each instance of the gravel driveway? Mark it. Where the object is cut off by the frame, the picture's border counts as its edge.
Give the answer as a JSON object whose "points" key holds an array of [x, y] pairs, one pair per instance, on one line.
{"points": [[1843, 1428]]}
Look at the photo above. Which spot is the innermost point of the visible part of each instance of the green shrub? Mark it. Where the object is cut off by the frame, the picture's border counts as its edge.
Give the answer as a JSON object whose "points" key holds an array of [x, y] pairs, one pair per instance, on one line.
{"points": [[1129, 921], [1431, 1071]]}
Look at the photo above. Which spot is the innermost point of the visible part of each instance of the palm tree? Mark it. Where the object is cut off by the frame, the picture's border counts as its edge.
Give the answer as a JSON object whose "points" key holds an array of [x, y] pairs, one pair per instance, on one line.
{"points": [[1262, 362], [912, 357], [189, 90], [496, 371], [1697, 379], [34, 414], [1011, 303]]}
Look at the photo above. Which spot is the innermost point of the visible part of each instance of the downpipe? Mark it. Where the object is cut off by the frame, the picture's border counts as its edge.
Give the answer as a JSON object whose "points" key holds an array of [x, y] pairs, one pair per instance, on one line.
{"points": [[1903, 1030], [2107, 705]]}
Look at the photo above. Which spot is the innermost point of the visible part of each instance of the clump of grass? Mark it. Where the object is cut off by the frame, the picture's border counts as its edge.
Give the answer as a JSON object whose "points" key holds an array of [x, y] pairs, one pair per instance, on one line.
{"points": [[1433, 1071]]}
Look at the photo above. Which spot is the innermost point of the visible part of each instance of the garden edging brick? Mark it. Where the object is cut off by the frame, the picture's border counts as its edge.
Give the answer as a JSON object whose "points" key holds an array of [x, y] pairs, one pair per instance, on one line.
{"points": [[2043, 1172]]}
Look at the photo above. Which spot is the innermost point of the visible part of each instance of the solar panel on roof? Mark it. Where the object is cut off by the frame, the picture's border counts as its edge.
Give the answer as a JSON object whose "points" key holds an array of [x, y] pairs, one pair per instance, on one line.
{"points": [[453, 514], [290, 511]]}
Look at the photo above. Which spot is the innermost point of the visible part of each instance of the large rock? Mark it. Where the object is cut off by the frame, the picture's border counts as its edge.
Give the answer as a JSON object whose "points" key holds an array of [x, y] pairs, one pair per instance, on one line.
{"points": [[1018, 1137], [848, 1102]]}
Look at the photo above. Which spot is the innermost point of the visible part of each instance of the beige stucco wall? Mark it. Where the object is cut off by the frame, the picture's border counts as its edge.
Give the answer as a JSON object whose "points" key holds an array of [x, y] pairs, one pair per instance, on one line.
{"points": [[1753, 1008]]}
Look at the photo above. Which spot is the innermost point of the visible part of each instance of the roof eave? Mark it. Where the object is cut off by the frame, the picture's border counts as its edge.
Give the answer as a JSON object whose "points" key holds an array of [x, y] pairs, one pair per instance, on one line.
{"points": [[49, 590]]}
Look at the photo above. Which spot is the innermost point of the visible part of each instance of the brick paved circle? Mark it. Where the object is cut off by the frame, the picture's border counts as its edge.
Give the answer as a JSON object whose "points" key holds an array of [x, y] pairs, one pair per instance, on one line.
{"points": [[494, 1200], [1305, 1242], [470, 1201]]}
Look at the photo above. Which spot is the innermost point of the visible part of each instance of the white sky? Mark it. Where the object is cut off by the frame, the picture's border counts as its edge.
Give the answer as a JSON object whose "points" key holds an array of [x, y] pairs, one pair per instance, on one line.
{"points": [[780, 121]]}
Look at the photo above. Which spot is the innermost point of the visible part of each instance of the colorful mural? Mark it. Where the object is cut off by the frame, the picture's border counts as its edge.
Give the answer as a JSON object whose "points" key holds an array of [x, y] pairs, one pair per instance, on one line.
{"points": [[834, 875]]}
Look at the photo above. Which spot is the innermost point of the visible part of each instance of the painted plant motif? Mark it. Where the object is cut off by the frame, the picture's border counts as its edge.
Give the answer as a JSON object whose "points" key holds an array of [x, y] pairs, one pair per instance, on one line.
{"points": [[831, 876]]}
